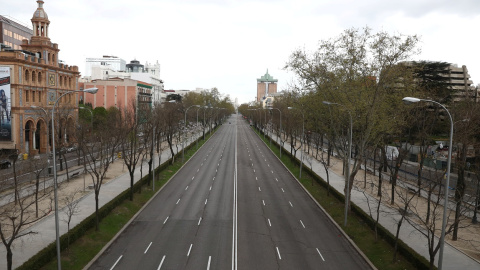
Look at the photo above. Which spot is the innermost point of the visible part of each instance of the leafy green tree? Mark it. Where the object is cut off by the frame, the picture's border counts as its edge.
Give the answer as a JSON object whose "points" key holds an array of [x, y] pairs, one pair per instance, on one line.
{"points": [[357, 70]]}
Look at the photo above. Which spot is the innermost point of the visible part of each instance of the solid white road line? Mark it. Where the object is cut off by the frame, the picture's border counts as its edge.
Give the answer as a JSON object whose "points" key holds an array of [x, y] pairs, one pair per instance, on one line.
{"points": [[302, 223], [278, 251], [116, 262], [160, 266], [188, 254], [320, 254], [178, 201], [147, 248], [209, 259], [234, 236]]}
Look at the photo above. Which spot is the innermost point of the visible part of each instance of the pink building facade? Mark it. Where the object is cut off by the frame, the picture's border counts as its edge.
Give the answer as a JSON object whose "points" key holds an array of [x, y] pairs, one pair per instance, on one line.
{"points": [[119, 93]]}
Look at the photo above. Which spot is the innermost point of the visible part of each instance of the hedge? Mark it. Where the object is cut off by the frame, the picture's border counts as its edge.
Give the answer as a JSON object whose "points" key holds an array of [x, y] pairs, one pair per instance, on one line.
{"points": [[411, 255], [49, 253]]}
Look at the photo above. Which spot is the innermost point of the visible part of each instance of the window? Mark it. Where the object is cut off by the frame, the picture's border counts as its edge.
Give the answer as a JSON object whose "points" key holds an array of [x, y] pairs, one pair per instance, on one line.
{"points": [[26, 96], [39, 96], [39, 77], [27, 75], [33, 96]]}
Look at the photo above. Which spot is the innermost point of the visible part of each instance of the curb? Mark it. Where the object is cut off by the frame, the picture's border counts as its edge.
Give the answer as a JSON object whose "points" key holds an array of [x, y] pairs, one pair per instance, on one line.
{"points": [[365, 258], [100, 253]]}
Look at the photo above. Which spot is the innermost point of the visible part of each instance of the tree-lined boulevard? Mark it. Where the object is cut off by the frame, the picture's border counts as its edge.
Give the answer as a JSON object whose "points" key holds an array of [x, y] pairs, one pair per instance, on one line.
{"points": [[193, 224]]}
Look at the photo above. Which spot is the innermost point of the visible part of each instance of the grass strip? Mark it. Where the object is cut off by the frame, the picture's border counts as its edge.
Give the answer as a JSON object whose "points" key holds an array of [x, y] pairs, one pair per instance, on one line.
{"points": [[82, 251]]}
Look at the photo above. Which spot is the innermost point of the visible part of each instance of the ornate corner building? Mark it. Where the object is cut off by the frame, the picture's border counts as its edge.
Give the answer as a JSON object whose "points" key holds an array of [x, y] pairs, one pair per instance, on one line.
{"points": [[31, 79]]}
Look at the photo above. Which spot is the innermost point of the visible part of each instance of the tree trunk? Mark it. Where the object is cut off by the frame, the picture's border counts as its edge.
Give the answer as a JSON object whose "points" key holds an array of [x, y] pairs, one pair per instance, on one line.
{"points": [[131, 185], [459, 191], [379, 192], [15, 181], [66, 167], [9, 257], [37, 184], [97, 220]]}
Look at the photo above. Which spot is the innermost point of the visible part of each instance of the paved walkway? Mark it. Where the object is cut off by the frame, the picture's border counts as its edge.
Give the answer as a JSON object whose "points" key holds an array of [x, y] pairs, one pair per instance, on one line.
{"points": [[452, 258], [28, 246]]}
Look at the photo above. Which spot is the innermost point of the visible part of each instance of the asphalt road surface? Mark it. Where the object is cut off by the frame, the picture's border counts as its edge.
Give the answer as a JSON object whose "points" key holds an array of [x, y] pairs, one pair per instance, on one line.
{"points": [[233, 206]]}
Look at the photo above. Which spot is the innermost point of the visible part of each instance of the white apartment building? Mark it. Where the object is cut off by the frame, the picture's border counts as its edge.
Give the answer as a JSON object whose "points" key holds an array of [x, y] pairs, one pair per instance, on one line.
{"points": [[149, 73], [111, 62]]}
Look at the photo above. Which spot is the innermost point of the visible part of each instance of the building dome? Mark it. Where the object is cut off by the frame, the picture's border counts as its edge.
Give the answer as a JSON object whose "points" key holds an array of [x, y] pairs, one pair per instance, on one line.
{"points": [[40, 12]]}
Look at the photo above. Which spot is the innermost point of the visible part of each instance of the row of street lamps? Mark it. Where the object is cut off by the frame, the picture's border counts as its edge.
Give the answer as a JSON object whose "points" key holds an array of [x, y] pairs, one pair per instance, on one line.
{"points": [[55, 181], [407, 100]]}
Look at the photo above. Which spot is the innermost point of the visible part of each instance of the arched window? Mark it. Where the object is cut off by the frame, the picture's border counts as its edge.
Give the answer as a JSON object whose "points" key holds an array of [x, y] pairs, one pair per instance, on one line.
{"points": [[39, 77], [53, 59], [27, 75], [34, 76]]}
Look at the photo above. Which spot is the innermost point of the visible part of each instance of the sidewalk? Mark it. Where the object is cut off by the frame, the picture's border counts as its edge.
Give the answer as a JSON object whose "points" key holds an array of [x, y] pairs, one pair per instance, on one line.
{"points": [[26, 247], [452, 258]]}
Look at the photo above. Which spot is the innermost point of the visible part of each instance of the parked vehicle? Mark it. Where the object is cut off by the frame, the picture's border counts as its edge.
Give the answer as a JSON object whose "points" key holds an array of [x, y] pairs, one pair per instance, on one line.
{"points": [[5, 164]]}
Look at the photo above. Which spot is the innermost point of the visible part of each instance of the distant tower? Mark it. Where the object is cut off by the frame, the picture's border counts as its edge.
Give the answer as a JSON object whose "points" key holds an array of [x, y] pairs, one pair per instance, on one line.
{"points": [[266, 85], [40, 42]]}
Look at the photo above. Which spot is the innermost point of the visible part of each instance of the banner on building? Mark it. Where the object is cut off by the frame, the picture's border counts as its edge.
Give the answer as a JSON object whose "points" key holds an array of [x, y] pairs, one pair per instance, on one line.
{"points": [[5, 105]]}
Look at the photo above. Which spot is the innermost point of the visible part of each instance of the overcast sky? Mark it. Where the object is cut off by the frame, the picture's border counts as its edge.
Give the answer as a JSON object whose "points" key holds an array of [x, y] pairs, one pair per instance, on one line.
{"points": [[228, 44]]}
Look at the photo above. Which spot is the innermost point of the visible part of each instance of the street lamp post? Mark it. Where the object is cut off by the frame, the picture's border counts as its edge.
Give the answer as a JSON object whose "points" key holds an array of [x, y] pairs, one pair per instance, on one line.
{"points": [[409, 100], [347, 175], [197, 123], [183, 141], [474, 218], [301, 140], [265, 123], [280, 133], [204, 122], [55, 184]]}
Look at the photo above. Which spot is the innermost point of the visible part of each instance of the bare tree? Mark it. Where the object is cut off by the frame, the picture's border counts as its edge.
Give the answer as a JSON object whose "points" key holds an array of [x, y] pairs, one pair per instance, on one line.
{"points": [[15, 217], [131, 144], [171, 125], [37, 166], [100, 151], [405, 199], [71, 209]]}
